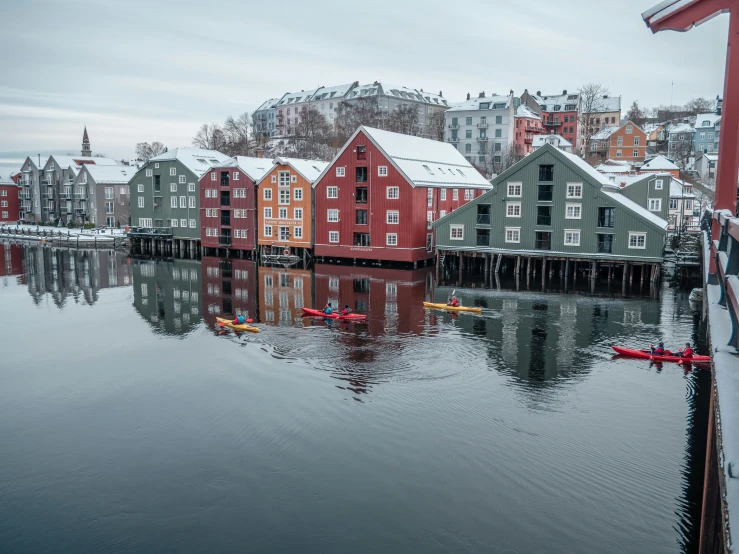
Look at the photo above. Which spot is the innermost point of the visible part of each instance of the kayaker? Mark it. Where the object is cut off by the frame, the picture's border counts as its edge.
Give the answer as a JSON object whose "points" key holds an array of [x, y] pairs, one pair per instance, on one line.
{"points": [[327, 309], [347, 310], [453, 302], [660, 350], [687, 352], [240, 320]]}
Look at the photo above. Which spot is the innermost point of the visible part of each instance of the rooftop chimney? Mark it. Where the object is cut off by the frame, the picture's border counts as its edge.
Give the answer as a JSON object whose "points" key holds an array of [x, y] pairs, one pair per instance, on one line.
{"points": [[538, 93], [468, 96], [481, 95], [440, 94], [564, 91]]}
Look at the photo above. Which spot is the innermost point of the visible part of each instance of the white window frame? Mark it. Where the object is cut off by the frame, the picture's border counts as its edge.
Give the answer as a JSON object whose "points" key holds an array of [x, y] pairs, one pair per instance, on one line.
{"points": [[268, 213], [442, 194], [173, 187], [574, 190], [298, 194], [298, 213], [619, 154], [172, 201], [340, 171], [391, 215], [140, 188], [183, 222], [267, 194], [183, 201], [267, 231], [333, 236], [213, 176], [141, 201], [193, 224], [635, 235], [191, 187], [511, 212], [512, 189], [391, 239], [389, 193], [658, 184], [629, 129], [284, 197], [510, 238], [453, 228], [332, 215], [280, 212], [149, 172], [573, 233], [382, 171], [332, 192], [573, 206], [455, 194], [182, 179], [236, 175], [657, 204], [191, 202], [172, 171], [673, 204]]}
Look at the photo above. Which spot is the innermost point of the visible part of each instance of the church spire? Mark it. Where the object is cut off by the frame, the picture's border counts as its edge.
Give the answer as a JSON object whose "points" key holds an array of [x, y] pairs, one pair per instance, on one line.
{"points": [[86, 150]]}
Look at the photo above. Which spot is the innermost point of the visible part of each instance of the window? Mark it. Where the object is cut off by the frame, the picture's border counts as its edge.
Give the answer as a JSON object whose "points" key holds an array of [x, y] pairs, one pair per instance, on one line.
{"points": [[393, 193], [172, 201], [455, 194], [619, 154], [443, 194], [514, 190], [361, 195], [282, 213], [498, 119], [284, 196], [546, 173], [513, 209], [468, 134], [274, 178], [298, 194], [382, 171], [361, 152], [183, 223], [513, 234], [688, 204], [636, 141], [442, 213], [267, 213], [545, 193], [456, 232], [239, 193], [710, 136], [606, 217], [268, 230], [658, 184], [284, 233], [332, 192], [173, 171], [391, 239], [333, 216], [468, 148], [141, 201], [333, 236], [361, 217], [284, 178], [573, 211], [673, 203], [468, 120], [236, 178], [629, 129], [604, 243], [156, 166], [572, 237], [298, 213], [655, 204], [173, 187], [638, 240], [620, 141], [498, 134], [361, 173], [182, 179], [544, 215], [140, 188], [191, 201], [267, 193], [213, 176], [574, 190], [149, 172], [392, 217], [183, 201], [340, 172], [298, 232], [145, 221]]}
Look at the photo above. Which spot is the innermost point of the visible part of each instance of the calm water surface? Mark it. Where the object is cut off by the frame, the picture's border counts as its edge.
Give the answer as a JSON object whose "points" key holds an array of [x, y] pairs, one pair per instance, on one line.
{"points": [[129, 424]]}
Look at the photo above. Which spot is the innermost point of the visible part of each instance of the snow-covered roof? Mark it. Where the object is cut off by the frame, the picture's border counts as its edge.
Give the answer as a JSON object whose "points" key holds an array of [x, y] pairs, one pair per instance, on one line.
{"points": [[74, 162], [605, 132], [111, 174], [677, 191], [196, 160], [607, 104], [665, 9], [474, 103], [709, 157], [268, 104], [328, 93], [254, 168], [613, 169], [309, 169], [6, 181], [525, 111], [659, 163], [404, 93], [555, 140], [587, 168], [682, 128], [633, 206], [423, 162], [549, 103], [295, 97], [711, 118]]}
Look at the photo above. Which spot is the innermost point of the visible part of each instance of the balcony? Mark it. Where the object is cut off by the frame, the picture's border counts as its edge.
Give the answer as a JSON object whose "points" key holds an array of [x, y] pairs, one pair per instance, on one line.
{"points": [[482, 139], [483, 219], [453, 140], [224, 240], [81, 211], [552, 123], [454, 126], [79, 195], [46, 183], [482, 125]]}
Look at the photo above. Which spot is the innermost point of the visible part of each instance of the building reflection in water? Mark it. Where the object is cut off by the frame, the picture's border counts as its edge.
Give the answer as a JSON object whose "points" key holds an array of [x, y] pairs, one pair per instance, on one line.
{"points": [[63, 274], [228, 289], [11, 262], [282, 292], [167, 294]]}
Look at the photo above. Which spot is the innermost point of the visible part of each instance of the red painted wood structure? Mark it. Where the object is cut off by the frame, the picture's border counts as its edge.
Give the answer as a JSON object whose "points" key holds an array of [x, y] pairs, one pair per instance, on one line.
{"points": [[720, 490]]}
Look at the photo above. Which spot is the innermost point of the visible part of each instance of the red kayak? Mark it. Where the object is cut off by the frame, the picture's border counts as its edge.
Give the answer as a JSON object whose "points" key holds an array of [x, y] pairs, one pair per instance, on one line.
{"points": [[646, 354], [319, 313]]}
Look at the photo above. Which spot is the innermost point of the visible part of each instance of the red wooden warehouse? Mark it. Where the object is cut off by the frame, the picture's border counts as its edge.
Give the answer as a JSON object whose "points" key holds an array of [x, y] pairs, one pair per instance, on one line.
{"points": [[228, 203], [9, 204], [376, 200]]}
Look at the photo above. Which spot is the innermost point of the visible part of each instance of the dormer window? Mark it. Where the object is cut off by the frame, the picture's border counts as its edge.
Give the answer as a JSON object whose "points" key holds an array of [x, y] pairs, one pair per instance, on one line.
{"points": [[557, 107], [484, 105], [706, 123]]}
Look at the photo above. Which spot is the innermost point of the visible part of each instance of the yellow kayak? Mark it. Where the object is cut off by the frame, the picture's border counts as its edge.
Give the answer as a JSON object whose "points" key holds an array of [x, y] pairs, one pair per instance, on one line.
{"points": [[451, 308], [231, 325]]}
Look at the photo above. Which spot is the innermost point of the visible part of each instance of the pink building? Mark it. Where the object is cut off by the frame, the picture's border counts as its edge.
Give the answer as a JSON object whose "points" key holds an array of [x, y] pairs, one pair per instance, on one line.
{"points": [[528, 125]]}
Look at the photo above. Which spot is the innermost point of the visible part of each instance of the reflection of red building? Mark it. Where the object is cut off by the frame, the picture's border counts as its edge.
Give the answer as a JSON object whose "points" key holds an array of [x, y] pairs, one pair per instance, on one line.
{"points": [[229, 288], [392, 298], [282, 293], [11, 260]]}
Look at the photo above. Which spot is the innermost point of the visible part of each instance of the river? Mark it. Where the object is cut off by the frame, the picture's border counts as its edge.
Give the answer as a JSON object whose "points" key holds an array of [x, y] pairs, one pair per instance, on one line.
{"points": [[128, 423]]}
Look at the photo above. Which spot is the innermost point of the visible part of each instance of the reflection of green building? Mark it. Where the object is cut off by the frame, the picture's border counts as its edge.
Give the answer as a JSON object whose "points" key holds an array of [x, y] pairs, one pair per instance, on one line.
{"points": [[537, 338], [167, 294]]}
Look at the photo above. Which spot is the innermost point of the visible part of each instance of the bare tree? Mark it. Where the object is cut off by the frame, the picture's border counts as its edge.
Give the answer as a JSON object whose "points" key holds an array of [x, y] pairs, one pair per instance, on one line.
{"points": [[210, 137], [238, 134], [436, 125], [699, 105], [682, 151], [592, 106], [636, 114], [350, 115], [312, 136], [404, 119], [146, 151]]}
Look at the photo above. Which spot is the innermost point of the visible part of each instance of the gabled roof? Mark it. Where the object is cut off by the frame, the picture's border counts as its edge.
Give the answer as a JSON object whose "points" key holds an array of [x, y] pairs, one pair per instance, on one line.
{"points": [[474, 103], [613, 193], [677, 15], [268, 104], [709, 157], [548, 102], [74, 162], [423, 162], [677, 191], [605, 132], [110, 174], [328, 93], [712, 119], [586, 168], [6, 181], [540, 140], [682, 128], [310, 170], [402, 93], [295, 97], [628, 180], [254, 168], [613, 169], [607, 104], [659, 163], [196, 160], [525, 111]]}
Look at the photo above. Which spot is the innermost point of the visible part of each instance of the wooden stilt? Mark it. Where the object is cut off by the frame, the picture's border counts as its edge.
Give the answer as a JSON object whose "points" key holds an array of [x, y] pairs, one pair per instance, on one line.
{"points": [[567, 270], [518, 265], [593, 270], [498, 262], [438, 264], [461, 264], [631, 274], [610, 272], [543, 271], [551, 269], [528, 267], [641, 275]]}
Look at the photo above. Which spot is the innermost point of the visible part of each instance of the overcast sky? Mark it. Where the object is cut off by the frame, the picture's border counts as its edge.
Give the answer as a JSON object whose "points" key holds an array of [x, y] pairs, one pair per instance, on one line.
{"points": [[136, 70]]}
